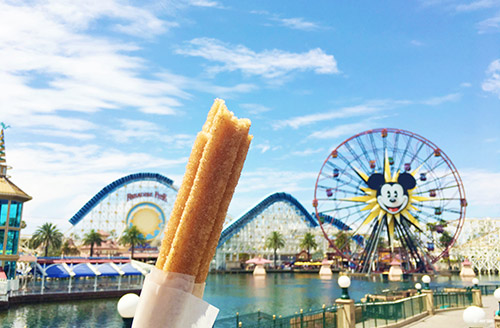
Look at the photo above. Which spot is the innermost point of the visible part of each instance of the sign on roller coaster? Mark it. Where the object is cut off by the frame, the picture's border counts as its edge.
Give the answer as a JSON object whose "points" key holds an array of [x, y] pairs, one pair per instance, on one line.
{"points": [[394, 193]]}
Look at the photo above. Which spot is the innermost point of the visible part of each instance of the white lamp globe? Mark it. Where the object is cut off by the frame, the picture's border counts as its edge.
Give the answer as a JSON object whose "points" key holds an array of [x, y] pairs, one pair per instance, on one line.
{"points": [[418, 286], [344, 281], [474, 315], [496, 294], [127, 305], [475, 281], [426, 279]]}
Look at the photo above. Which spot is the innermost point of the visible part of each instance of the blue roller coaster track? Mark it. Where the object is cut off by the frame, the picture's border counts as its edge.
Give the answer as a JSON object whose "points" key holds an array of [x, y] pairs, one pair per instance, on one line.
{"points": [[237, 225], [94, 201]]}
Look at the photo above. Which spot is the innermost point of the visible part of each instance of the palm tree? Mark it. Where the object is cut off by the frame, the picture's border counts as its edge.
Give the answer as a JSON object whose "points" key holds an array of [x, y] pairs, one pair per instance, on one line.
{"points": [[444, 241], [47, 235], [92, 238], [308, 242], [275, 241], [133, 237], [342, 241], [68, 248]]}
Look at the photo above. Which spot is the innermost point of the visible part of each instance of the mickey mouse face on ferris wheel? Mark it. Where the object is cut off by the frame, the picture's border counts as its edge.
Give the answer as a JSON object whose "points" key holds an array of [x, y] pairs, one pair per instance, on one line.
{"points": [[392, 196]]}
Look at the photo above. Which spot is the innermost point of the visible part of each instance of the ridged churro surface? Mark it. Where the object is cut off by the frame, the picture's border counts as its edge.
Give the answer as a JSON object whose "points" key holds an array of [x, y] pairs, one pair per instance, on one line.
{"points": [[204, 267], [211, 176]]}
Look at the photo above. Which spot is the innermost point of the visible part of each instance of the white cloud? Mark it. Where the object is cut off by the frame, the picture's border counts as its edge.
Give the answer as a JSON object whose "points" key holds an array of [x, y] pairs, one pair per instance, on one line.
{"points": [[341, 130], [466, 85], [268, 63], [417, 43], [436, 101], [492, 83], [481, 187], [477, 5], [307, 152], [144, 131], [299, 121], [298, 23], [255, 108], [199, 84], [49, 42], [491, 24], [205, 3]]}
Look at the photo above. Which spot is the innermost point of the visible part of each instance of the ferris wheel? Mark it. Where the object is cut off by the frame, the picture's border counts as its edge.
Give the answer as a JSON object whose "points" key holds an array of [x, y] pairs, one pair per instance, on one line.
{"points": [[391, 194]]}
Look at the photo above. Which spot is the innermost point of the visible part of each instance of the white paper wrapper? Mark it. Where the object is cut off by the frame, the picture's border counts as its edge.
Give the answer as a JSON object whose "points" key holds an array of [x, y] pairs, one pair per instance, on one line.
{"points": [[167, 302]]}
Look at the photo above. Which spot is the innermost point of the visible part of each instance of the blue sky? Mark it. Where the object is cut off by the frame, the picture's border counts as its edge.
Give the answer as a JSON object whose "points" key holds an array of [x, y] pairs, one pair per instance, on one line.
{"points": [[95, 90]]}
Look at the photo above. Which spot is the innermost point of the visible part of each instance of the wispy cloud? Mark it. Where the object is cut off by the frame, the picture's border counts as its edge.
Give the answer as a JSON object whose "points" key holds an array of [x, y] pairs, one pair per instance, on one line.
{"points": [[200, 84], [435, 101], [145, 131], [417, 43], [265, 146], [268, 63], [307, 152], [477, 5], [466, 85], [298, 23], [341, 130], [255, 108], [492, 82], [491, 24], [205, 3], [345, 112]]}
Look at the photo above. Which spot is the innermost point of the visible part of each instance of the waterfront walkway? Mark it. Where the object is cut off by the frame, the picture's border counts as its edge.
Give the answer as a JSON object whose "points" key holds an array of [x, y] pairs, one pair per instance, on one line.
{"points": [[453, 318]]}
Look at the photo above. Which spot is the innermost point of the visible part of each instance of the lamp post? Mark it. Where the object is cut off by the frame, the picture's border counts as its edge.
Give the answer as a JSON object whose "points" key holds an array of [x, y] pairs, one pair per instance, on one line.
{"points": [[126, 308], [496, 294], [475, 281], [344, 283], [418, 287], [474, 316], [426, 280]]}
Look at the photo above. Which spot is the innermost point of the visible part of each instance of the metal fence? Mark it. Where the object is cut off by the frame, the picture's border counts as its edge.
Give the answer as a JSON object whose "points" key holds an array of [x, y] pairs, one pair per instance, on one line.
{"points": [[379, 314], [443, 300], [326, 317], [488, 289]]}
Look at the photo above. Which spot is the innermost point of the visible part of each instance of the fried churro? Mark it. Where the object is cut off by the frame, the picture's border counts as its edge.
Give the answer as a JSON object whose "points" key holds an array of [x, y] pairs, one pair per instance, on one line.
{"points": [[199, 211]]}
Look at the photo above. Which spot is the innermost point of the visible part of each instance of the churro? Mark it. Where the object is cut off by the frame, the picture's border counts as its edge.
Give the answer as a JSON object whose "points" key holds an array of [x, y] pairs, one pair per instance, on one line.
{"points": [[211, 176]]}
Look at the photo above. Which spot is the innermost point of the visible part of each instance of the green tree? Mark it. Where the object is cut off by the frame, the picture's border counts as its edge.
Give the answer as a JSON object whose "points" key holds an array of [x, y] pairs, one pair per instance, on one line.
{"points": [[47, 235], [68, 248], [444, 241], [133, 237], [308, 242], [275, 241], [342, 241], [92, 238]]}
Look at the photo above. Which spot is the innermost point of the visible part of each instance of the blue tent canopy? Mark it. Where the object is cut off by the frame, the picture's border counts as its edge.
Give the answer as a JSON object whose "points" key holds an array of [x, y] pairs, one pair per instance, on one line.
{"points": [[56, 271], [130, 270], [82, 270], [107, 270]]}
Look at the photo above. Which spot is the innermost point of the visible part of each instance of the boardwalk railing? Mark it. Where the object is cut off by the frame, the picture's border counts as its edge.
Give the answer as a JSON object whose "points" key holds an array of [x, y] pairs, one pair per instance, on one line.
{"points": [[445, 300], [325, 317], [380, 314]]}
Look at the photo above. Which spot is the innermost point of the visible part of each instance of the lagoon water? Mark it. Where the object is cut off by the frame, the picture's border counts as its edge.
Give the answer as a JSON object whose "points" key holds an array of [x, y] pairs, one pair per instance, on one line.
{"points": [[283, 293]]}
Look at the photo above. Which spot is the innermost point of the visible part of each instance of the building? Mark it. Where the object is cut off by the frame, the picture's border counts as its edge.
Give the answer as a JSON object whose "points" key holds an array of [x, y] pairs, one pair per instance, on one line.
{"points": [[11, 208]]}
